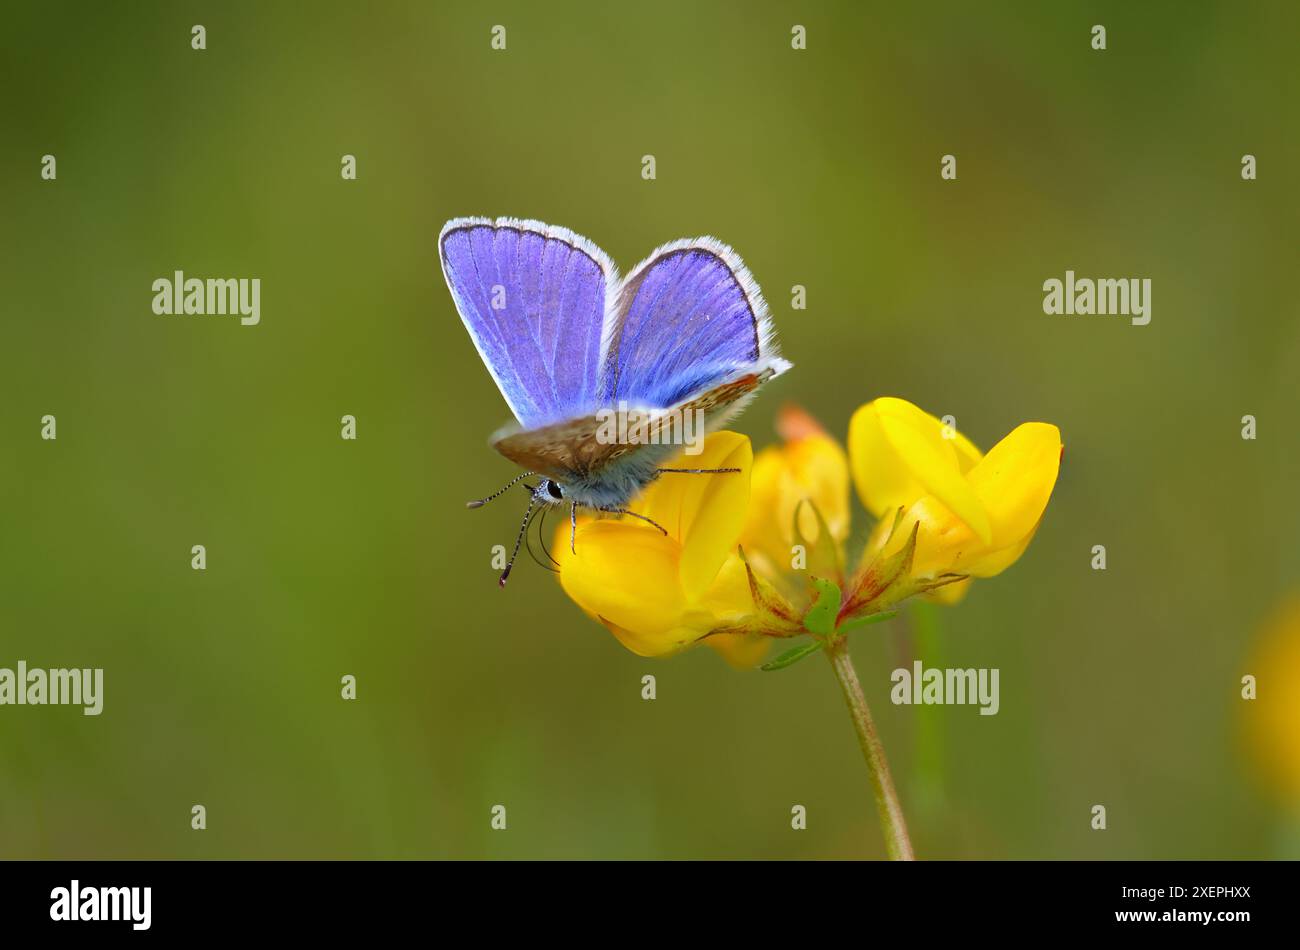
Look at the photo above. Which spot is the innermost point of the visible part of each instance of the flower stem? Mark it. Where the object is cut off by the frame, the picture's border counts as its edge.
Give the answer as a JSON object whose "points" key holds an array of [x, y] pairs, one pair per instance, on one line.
{"points": [[897, 843]]}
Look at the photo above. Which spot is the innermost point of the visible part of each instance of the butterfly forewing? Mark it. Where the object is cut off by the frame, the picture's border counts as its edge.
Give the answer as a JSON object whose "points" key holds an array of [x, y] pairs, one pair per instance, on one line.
{"points": [[533, 298], [683, 321]]}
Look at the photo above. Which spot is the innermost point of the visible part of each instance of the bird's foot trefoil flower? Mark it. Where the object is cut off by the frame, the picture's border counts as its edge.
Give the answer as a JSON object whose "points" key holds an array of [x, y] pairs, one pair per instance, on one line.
{"points": [[760, 555]]}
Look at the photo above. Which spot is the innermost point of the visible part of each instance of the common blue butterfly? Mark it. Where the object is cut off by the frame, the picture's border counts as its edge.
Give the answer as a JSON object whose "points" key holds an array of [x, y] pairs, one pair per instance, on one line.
{"points": [[569, 344]]}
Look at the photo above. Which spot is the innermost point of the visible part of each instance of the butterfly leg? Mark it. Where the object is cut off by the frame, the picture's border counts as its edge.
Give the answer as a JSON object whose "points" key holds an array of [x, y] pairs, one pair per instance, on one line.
{"points": [[573, 527], [624, 511], [695, 471]]}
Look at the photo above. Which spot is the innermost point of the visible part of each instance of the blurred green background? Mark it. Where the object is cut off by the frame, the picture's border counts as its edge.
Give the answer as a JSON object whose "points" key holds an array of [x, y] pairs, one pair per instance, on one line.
{"points": [[821, 167]]}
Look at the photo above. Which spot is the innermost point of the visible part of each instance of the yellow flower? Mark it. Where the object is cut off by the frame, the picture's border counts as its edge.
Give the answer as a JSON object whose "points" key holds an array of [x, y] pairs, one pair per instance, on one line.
{"points": [[1271, 720], [945, 513], [809, 466], [973, 514], [659, 594]]}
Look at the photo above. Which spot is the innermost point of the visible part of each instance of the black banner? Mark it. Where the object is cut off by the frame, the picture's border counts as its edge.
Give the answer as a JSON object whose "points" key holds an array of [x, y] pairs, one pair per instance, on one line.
{"points": [[1163, 900]]}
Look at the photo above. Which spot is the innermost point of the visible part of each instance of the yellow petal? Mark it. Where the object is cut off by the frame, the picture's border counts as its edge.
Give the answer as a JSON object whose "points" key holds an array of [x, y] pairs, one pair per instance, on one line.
{"points": [[764, 532], [817, 469], [627, 576], [644, 586], [993, 562], [662, 644], [1015, 480], [729, 600], [918, 438], [883, 481], [900, 453], [726, 603], [705, 512], [743, 651], [811, 467], [563, 536], [676, 500], [944, 543]]}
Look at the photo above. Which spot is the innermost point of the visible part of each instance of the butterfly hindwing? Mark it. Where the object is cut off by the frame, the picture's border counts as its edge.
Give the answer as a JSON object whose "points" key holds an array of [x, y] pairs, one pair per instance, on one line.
{"points": [[533, 298], [685, 319], [574, 450]]}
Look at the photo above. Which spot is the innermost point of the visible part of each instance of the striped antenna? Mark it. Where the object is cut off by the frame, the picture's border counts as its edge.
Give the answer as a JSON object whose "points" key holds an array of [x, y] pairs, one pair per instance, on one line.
{"points": [[497, 494]]}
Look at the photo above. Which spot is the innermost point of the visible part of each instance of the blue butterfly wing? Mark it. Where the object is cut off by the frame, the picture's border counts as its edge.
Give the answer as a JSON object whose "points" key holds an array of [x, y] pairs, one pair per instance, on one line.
{"points": [[533, 298], [687, 319], [563, 338], [686, 332]]}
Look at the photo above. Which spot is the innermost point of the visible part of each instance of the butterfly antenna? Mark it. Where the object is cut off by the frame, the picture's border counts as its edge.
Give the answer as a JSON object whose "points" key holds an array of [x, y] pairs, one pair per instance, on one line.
{"points": [[497, 494], [541, 539], [519, 539], [528, 543]]}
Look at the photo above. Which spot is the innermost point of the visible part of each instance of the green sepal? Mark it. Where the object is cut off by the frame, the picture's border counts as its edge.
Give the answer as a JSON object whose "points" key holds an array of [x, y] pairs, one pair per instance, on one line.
{"points": [[793, 656], [868, 620], [820, 618]]}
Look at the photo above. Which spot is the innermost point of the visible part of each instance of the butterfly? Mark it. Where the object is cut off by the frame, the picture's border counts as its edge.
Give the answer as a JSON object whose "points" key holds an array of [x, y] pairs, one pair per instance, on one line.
{"points": [[578, 352]]}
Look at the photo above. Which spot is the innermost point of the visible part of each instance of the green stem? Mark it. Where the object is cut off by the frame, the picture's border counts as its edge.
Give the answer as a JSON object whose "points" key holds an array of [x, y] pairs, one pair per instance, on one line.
{"points": [[897, 844]]}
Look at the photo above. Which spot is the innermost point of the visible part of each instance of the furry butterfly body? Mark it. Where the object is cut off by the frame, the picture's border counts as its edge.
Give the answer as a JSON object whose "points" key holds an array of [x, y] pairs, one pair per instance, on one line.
{"points": [[569, 344]]}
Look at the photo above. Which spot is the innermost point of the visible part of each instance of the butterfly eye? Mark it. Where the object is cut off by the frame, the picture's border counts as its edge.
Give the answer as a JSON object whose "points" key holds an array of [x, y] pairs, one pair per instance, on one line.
{"points": [[553, 490]]}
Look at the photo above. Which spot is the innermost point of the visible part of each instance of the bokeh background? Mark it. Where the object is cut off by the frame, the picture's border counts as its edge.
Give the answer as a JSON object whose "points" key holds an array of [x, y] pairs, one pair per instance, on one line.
{"points": [[821, 167]]}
